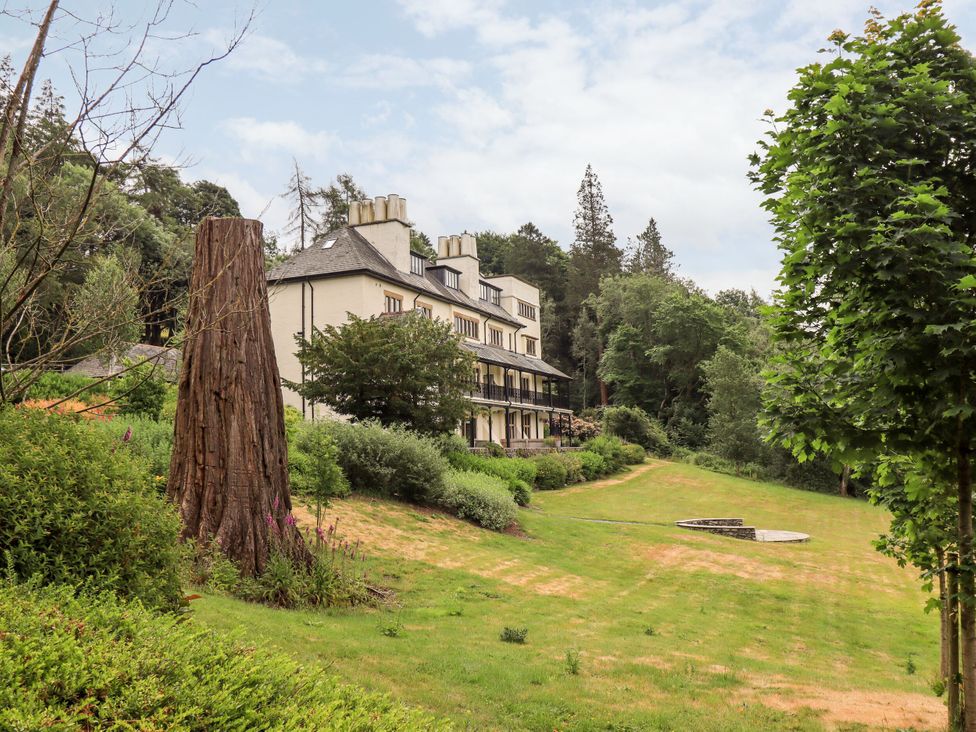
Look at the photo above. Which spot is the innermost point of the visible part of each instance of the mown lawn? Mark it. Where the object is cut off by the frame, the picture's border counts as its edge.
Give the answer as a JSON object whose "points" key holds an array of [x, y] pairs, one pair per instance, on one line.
{"points": [[675, 630]]}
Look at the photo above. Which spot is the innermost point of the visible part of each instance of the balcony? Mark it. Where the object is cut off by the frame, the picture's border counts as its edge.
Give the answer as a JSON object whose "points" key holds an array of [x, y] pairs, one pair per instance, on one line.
{"points": [[494, 392]]}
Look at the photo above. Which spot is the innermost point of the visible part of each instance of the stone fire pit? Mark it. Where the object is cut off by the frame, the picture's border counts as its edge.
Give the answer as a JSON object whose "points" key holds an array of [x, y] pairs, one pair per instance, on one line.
{"points": [[736, 528]]}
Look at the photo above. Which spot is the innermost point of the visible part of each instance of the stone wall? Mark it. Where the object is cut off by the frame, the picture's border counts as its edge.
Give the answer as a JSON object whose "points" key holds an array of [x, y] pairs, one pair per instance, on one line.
{"points": [[732, 527]]}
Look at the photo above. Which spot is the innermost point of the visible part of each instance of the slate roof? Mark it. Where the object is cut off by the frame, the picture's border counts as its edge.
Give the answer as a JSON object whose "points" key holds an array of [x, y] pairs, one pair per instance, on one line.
{"points": [[501, 357], [352, 253]]}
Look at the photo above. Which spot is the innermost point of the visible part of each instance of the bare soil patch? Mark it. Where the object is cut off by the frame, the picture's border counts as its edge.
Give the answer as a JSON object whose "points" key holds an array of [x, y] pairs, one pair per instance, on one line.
{"points": [[616, 480], [421, 534]]}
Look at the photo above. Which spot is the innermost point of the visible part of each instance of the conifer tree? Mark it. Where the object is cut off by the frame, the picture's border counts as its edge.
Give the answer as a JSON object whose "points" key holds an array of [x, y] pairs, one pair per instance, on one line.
{"points": [[336, 199], [648, 255], [594, 252], [306, 200]]}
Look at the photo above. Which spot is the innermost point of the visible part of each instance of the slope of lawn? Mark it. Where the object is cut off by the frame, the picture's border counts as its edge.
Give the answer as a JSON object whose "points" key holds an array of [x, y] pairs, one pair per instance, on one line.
{"points": [[674, 630]]}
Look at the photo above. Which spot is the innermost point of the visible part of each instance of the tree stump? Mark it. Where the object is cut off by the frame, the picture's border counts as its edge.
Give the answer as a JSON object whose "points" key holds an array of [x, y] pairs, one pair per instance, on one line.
{"points": [[229, 469]]}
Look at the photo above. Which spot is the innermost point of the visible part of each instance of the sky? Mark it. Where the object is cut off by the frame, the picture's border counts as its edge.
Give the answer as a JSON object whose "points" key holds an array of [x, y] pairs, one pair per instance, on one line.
{"points": [[484, 114]]}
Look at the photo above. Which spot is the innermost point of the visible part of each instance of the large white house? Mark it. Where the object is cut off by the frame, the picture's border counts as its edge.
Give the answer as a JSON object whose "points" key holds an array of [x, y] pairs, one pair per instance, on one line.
{"points": [[366, 268]]}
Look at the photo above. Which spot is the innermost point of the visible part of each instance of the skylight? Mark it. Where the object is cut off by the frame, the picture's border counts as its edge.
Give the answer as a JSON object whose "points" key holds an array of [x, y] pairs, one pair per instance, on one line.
{"points": [[328, 243]]}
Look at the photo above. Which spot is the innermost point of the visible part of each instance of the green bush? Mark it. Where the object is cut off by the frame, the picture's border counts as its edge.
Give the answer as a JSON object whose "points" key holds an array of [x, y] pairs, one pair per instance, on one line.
{"points": [[593, 465], [612, 450], [95, 662], [140, 391], [481, 498], [573, 465], [551, 472], [394, 461], [150, 443], [495, 450], [518, 473], [633, 424], [57, 385], [77, 509], [313, 466], [451, 443], [634, 454]]}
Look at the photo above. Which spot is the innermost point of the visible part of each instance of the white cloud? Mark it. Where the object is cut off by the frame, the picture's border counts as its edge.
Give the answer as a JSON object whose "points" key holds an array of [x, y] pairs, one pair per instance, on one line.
{"points": [[264, 138], [268, 58], [389, 72]]}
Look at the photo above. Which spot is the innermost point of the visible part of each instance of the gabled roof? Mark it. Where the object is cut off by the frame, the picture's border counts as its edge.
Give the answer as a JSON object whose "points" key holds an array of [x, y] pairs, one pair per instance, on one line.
{"points": [[507, 359], [351, 253]]}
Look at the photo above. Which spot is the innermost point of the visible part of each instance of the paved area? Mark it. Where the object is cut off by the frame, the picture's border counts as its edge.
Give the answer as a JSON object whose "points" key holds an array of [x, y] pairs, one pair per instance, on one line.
{"points": [[783, 536]]}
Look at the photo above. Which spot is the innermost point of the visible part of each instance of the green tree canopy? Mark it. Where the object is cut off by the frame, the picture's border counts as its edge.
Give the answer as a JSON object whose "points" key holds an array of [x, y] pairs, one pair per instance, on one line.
{"points": [[405, 369], [870, 187]]}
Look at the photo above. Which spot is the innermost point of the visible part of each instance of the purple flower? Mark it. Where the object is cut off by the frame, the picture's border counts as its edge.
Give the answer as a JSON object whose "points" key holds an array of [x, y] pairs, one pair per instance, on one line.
{"points": [[290, 520], [128, 435], [269, 519], [274, 504], [319, 533]]}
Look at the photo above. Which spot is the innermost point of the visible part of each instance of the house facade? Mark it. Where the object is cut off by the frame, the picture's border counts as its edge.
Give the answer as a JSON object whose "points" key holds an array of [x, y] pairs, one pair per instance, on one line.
{"points": [[367, 268]]}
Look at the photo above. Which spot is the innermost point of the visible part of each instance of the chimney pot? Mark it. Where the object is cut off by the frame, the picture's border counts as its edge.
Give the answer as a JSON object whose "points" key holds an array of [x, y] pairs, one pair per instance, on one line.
{"points": [[379, 208], [354, 214]]}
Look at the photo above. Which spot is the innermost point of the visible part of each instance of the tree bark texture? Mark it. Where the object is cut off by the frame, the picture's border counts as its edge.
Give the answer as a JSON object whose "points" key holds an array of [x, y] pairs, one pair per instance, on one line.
{"points": [[967, 587], [952, 679], [229, 470], [845, 477]]}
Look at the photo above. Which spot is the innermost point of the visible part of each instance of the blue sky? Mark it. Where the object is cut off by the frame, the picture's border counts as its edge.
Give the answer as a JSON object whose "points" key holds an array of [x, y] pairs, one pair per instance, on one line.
{"points": [[484, 113]]}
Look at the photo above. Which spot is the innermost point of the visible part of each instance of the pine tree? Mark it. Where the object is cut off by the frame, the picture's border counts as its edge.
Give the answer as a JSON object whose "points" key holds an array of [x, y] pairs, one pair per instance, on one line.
{"points": [[336, 199], [648, 255], [306, 199], [594, 252]]}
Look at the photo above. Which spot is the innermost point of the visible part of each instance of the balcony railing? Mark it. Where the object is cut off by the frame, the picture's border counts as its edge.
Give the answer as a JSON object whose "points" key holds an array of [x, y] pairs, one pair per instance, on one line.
{"points": [[498, 393]]}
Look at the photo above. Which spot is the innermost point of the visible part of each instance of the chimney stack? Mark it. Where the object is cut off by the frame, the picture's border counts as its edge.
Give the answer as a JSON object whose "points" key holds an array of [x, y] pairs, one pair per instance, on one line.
{"points": [[381, 208]]}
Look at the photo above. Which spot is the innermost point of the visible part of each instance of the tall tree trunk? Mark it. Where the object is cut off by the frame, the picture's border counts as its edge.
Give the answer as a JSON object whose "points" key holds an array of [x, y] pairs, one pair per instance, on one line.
{"points": [[943, 615], [845, 477], [229, 470], [967, 584], [952, 679]]}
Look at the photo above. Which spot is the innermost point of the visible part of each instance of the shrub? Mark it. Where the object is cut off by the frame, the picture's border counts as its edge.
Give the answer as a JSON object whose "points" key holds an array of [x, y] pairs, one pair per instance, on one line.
{"points": [[610, 448], [518, 473], [633, 424], [57, 385], [581, 429], [140, 391], [593, 465], [495, 450], [551, 472], [514, 635], [96, 662], [451, 443], [481, 498], [393, 461], [573, 465], [149, 442], [633, 454], [77, 509], [314, 469]]}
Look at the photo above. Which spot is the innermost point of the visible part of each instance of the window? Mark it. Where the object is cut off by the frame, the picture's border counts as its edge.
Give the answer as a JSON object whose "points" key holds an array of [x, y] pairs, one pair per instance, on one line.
{"points": [[526, 425], [426, 310], [526, 387], [495, 337], [526, 311], [468, 327], [452, 279], [530, 346], [393, 302], [417, 264], [490, 294]]}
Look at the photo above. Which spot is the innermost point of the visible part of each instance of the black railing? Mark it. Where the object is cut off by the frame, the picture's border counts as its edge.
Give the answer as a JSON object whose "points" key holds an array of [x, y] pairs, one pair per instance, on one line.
{"points": [[499, 393]]}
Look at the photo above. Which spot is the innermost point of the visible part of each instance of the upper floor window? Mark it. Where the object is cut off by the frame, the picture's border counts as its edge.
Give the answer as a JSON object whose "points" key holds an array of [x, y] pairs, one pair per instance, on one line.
{"points": [[452, 279], [495, 337], [468, 327], [526, 310], [490, 294], [531, 347], [417, 263], [393, 303], [426, 310]]}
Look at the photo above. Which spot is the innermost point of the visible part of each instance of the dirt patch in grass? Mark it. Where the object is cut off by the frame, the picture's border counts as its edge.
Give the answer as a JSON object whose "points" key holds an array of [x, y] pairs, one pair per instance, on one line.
{"points": [[616, 480], [423, 535], [876, 709]]}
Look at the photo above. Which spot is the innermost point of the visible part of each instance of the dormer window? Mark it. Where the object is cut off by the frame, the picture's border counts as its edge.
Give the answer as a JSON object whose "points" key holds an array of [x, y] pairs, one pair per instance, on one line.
{"points": [[417, 263], [490, 294], [452, 279]]}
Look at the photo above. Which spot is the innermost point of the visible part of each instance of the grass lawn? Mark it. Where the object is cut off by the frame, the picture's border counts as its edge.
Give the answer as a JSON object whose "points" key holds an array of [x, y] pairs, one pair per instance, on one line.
{"points": [[675, 630]]}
